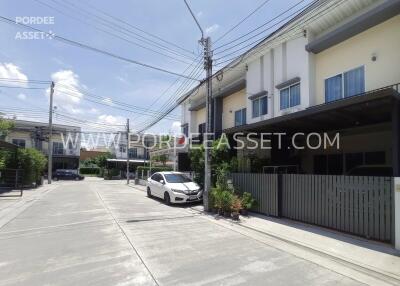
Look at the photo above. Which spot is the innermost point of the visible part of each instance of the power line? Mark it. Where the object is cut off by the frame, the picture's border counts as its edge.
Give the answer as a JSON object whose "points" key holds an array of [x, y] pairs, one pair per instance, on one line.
{"points": [[84, 46], [259, 27], [136, 28], [297, 26], [241, 21], [85, 21]]}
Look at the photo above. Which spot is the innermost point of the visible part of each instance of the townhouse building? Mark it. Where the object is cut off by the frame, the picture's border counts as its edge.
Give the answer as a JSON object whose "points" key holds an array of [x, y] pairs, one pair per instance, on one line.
{"points": [[334, 69], [30, 134]]}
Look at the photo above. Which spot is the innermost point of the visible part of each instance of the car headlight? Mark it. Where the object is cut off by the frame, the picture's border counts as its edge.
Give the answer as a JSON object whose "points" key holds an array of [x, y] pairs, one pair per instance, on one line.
{"points": [[179, 191]]}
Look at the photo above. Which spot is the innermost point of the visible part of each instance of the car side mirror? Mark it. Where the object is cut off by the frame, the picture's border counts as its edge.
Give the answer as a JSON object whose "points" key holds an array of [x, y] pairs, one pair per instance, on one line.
{"points": [[162, 182]]}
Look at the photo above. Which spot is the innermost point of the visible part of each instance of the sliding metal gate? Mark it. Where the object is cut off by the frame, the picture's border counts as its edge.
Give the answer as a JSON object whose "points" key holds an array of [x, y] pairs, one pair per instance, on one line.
{"points": [[263, 187], [358, 205], [352, 204]]}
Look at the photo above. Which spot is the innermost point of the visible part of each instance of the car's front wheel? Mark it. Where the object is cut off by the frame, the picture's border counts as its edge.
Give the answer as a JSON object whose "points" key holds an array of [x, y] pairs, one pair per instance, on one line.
{"points": [[149, 192], [167, 198]]}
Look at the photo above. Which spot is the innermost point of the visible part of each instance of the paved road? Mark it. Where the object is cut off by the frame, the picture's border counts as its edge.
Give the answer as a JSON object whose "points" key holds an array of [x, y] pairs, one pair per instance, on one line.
{"points": [[106, 233]]}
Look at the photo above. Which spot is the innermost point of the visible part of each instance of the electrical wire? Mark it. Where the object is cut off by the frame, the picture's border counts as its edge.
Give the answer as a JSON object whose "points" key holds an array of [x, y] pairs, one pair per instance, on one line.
{"points": [[90, 48], [85, 21], [241, 21], [261, 26]]}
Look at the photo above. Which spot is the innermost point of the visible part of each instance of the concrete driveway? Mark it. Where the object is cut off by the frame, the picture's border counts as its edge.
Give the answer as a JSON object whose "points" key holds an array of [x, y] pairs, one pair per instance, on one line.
{"points": [[106, 233]]}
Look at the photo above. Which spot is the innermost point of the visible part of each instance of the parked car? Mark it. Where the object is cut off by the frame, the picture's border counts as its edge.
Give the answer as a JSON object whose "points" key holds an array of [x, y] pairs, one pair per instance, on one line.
{"points": [[66, 175], [371, 170], [173, 187]]}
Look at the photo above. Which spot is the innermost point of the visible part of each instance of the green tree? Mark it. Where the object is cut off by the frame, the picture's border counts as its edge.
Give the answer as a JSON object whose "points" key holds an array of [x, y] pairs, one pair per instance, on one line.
{"points": [[33, 163], [5, 126]]}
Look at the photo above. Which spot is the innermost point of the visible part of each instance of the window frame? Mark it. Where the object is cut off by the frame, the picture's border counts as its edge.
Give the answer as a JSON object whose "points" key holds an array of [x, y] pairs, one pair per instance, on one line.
{"points": [[290, 96], [58, 148], [259, 114], [342, 83], [243, 116], [19, 141]]}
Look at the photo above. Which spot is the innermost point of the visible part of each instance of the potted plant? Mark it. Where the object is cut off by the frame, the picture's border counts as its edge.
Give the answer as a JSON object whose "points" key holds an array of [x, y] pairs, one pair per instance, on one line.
{"points": [[236, 207], [218, 204], [212, 200], [226, 197], [247, 203]]}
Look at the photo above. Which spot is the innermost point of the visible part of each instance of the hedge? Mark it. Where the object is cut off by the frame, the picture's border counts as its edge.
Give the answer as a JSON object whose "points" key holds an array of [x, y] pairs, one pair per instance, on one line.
{"points": [[153, 169], [89, 170]]}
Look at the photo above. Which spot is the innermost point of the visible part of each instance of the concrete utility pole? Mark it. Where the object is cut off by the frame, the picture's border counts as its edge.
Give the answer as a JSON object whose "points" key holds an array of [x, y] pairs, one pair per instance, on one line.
{"points": [[209, 127], [206, 43], [127, 151], [50, 145]]}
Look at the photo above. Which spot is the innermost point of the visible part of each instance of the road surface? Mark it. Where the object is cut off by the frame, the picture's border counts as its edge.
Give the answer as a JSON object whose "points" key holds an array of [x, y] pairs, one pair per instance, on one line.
{"points": [[98, 232]]}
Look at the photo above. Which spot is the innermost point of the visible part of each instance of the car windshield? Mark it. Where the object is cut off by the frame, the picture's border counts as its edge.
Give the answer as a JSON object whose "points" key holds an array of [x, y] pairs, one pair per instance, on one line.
{"points": [[176, 178]]}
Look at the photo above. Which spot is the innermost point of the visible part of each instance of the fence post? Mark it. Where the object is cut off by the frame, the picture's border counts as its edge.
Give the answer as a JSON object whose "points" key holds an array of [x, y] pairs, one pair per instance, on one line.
{"points": [[279, 195], [148, 173], [397, 212]]}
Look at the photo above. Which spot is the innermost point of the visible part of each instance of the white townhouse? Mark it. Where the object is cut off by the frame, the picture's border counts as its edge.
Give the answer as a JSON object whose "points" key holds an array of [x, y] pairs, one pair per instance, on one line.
{"points": [[30, 134], [332, 68]]}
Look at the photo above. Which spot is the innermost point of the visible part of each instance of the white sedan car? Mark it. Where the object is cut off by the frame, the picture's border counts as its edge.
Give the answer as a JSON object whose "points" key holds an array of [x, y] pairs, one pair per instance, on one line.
{"points": [[173, 187]]}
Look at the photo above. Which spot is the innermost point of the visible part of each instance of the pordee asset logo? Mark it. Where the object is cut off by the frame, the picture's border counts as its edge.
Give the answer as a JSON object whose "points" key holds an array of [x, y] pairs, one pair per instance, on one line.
{"points": [[238, 141], [31, 21]]}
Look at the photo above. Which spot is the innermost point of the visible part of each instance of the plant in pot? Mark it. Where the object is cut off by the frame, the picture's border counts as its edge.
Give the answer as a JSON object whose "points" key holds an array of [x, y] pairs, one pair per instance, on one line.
{"points": [[212, 200], [247, 203], [236, 207], [227, 198]]}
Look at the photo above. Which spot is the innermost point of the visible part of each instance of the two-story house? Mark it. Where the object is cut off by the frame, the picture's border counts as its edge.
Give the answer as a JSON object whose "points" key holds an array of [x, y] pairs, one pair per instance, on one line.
{"points": [[331, 69], [30, 134]]}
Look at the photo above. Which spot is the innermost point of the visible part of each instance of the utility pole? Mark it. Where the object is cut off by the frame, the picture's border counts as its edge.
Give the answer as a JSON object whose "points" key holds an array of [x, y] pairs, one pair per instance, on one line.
{"points": [[127, 151], [209, 127], [50, 145], [206, 43]]}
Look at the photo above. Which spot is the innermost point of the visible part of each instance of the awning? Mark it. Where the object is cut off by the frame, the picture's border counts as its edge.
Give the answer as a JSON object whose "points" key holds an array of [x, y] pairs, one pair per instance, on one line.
{"points": [[371, 107]]}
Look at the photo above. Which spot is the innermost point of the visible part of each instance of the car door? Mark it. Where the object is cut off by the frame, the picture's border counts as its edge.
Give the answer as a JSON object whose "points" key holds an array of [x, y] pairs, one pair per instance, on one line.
{"points": [[156, 185]]}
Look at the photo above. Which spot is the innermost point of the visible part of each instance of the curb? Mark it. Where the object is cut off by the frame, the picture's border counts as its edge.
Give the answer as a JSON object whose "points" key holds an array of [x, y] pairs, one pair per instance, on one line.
{"points": [[366, 270]]}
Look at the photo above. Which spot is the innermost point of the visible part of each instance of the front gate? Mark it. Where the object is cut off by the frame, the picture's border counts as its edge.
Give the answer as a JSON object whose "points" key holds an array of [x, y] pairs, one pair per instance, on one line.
{"points": [[353, 204], [264, 189]]}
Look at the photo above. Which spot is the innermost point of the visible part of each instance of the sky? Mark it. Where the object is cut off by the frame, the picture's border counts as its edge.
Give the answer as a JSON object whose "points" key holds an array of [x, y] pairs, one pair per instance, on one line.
{"points": [[112, 80]]}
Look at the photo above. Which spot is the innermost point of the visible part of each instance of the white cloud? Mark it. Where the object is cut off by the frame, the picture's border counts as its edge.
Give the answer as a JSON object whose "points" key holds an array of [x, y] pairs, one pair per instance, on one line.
{"points": [[199, 14], [111, 119], [66, 89], [212, 29], [11, 71], [21, 96]]}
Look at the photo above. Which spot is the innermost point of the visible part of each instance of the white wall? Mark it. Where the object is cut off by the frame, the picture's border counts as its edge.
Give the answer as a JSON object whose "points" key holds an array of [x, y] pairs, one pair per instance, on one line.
{"points": [[284, 62]]}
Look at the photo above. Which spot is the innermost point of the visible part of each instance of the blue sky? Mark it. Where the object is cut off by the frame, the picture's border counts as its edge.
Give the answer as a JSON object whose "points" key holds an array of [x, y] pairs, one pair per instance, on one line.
{"points": [[105, 76]]}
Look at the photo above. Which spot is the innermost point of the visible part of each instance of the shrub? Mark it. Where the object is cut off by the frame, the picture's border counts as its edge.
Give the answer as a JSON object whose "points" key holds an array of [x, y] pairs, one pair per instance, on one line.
{"points": [[226, 200], [109, 174], [89, 171], [248, 201], [236, 204], [33, 164], [153, 169]]}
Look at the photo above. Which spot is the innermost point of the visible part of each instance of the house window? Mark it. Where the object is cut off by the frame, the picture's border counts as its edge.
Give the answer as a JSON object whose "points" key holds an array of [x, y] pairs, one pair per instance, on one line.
{"points": [[122, 148], [240, 117], [132, 153], [290, 96], [344, 85], [58, 148], [260, 106], [19, 142]]}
